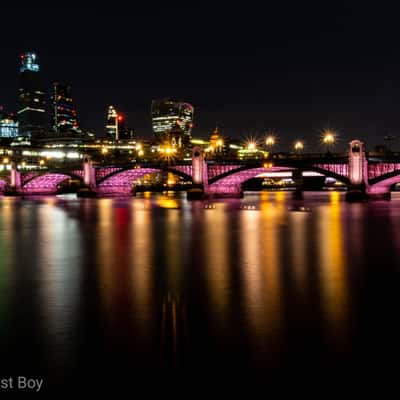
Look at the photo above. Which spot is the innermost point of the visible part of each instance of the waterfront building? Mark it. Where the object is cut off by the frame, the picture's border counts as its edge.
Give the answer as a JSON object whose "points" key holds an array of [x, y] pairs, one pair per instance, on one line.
{"points": [[167, 114], [31, 113], [64, 113], [116, 126]]}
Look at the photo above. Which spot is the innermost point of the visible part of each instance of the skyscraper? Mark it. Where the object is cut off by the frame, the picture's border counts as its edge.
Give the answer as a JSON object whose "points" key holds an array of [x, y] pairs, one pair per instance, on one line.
{"points": [[115, 125], [167, 114], [64, 114], [31, 112]]}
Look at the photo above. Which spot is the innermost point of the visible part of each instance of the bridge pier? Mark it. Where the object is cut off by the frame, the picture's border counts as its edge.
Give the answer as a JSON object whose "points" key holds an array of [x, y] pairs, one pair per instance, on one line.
{"points": [[14, 188], [89, 179], [199, 175], [358, 172]]}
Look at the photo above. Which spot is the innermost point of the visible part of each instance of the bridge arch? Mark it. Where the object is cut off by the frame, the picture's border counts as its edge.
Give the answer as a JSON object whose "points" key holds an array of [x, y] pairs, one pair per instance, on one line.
{"points": [[121, 181], [240, 175], [383, 183], [46, 183]]}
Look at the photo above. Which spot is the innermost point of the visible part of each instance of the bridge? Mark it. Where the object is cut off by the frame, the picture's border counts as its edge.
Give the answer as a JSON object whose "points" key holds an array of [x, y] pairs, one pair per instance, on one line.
{"points": [[371, 177]]}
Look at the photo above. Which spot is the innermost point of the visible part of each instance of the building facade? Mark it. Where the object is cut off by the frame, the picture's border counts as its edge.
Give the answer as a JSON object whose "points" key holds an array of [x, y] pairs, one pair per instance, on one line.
{"points": [[167, 114], [31, 112], [8, 125], [64, 114], [116, 128]]}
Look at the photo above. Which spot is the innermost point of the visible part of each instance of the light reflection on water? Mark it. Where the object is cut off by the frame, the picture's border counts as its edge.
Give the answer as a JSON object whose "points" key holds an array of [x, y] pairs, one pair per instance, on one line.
{"points": [[159, 281]]}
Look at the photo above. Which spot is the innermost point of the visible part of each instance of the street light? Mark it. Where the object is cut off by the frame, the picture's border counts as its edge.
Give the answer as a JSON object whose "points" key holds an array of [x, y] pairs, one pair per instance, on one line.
{"points": [[328, 139], [270, 141], [299, 146]]}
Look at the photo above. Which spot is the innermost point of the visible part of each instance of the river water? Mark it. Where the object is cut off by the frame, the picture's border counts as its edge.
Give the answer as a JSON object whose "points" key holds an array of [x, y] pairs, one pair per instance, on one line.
{"points": [[160, 290]]}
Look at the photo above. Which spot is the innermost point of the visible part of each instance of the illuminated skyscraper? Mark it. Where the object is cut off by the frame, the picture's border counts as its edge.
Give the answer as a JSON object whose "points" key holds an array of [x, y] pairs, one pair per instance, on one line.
{"points": [[115, 124], [31, 112], [64, 114], [167, 113]]}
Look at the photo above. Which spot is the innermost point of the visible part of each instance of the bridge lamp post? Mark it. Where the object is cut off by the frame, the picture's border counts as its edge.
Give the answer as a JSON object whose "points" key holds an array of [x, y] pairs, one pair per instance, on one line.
{"points": [[329, 140], [270, 141], [299, 146]]}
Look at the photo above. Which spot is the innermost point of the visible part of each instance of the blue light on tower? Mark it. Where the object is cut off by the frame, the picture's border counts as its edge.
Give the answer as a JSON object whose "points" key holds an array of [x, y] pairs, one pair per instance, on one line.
{"points": [[29, 62]]}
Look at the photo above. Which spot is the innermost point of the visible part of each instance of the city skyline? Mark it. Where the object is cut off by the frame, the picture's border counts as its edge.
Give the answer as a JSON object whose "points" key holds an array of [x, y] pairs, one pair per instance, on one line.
{"points": [[298, 82]]}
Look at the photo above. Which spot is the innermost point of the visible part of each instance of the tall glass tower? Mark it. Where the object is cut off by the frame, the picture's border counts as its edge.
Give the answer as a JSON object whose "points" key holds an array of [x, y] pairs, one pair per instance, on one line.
{"points": [[167, 114], [115, 125], [31, 111], [64, 114]]}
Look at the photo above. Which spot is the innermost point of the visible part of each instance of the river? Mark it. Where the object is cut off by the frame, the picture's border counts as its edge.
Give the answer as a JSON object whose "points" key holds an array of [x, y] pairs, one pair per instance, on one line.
{"points": [[154, 288]]}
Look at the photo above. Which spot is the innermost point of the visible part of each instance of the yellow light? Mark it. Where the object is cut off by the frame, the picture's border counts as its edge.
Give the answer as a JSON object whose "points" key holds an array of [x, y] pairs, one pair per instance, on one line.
{"points": [[168, 203], [329, 138], [298, 145], [104, 150], [268, 165], [270, 141], [251, 146], [141, 152], [23, 163], [220, 142], [138, 147], [6, 160], [41, 162], [168, 150]]}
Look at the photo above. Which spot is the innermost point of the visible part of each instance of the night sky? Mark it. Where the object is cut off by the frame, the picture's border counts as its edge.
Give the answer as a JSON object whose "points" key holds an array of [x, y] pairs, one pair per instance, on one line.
{"points": [[249, 68]]}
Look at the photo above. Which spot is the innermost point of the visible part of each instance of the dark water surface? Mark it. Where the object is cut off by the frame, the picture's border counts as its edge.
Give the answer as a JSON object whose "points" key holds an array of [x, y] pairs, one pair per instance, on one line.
{"points": [[156, 290]]}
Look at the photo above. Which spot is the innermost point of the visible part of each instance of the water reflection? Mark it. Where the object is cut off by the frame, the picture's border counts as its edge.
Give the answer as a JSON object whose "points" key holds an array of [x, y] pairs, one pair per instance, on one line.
{"points": [[58, 270], [104, 253], [333, 269], [159, 281], [216, 231]]}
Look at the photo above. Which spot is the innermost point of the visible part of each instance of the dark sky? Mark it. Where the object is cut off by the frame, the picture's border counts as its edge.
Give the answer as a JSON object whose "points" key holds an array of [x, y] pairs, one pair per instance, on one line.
{"points": [[248, 67]]}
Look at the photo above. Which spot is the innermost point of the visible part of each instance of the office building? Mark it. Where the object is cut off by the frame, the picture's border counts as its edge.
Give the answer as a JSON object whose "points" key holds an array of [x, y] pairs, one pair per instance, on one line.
{"points": [[167, 114], [31, 113], [64, 114]]}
